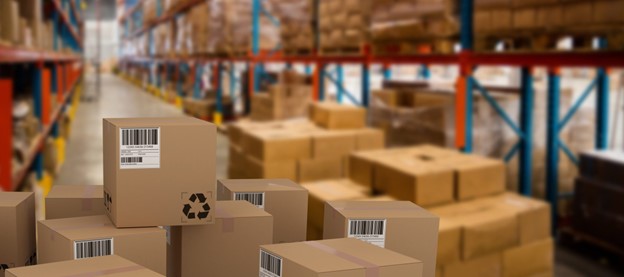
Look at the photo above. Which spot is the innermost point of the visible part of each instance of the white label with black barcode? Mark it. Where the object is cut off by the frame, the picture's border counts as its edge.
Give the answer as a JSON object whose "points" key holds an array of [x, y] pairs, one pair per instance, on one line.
{"points": [[139, 148], [270, 265], [256, 198], [93, 248], [372, 231]]}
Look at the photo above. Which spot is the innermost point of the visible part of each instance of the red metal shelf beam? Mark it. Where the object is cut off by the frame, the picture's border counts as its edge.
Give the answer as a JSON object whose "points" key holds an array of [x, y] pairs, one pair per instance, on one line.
{"points": [[57, 5], [10, 54]]}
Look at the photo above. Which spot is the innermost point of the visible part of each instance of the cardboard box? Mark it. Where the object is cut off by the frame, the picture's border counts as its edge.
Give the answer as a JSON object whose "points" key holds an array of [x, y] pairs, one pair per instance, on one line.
{"points": [[476, 176], [17, 231], [336, 116], [286, 169], [74, 201], [340, 257], [278, 145], [333, 144], [449, 242], [98, 266], [399, 226], [534, 216], [330, 190], [575, 13], [320, 169], [369, 139], [91, 236], [285, 200], [362, 165], [528, 260], [228, 247], [485, 266], [164, 165]]}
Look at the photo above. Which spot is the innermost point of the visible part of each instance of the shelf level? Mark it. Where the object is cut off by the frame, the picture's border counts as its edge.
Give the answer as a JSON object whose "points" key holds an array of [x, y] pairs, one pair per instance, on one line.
{"points": [[12, 54]]}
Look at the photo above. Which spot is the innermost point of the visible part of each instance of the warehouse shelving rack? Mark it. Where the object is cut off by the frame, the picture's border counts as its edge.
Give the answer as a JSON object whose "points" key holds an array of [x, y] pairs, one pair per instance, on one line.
{"points": [[55, 74], [467, 61]]}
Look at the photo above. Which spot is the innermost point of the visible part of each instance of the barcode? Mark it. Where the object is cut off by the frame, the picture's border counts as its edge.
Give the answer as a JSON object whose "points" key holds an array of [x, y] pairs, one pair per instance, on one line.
{"points": [[126, 160], [256, 198], [270, 265], [366, 227], [139, 136], [93, 248]]}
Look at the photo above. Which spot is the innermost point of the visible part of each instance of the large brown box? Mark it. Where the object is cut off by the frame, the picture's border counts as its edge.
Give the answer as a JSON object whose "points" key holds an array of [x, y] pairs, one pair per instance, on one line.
{"points": [[228, 247], [98, 266], [399, 226], [278, 145], [159, 171], [74, 201], [339, 257], [311, 170], [17, 230], [255, 168], [285, 200], [449, 242], [333, 144], [330, 190], [91, 236], [529, 260], [335, 116], [484, 266]]}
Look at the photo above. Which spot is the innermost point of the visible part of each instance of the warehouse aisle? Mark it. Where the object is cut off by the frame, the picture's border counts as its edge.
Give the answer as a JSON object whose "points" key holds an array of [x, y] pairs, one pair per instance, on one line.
{"points": [[83, 165]]}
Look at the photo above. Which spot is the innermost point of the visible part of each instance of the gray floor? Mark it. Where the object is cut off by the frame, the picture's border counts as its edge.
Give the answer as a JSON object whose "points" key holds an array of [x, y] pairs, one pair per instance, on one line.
{"points": [[121, 99]]}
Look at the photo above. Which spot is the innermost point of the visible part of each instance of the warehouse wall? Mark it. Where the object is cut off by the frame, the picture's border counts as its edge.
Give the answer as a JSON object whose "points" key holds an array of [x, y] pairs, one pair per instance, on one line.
{"points": [[109, 39]]}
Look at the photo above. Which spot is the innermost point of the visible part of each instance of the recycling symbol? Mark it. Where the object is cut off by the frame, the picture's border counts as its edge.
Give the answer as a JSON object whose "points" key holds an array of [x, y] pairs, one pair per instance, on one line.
{"points": [[197, 207]]}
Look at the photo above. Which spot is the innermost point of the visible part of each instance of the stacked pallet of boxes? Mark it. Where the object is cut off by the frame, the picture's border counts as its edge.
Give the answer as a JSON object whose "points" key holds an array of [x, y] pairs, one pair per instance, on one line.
{"points": [[23, 25], [344, 26], [289, 98], [483, 230], [297, 26], [300, 149], [414, 26], [597, 205], [539, 25]]}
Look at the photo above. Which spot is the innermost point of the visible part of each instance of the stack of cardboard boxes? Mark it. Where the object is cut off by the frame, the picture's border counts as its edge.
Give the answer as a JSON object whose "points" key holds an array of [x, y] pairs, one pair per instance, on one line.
{"points": [[344, 25], [300, 149], [297, 26], [22, 25], [289, 98]]}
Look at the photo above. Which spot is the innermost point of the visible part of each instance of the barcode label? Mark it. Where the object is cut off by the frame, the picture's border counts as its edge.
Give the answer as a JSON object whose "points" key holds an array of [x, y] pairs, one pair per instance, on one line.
{"points": [[93, 248], [256, 198], [270, 265], [372, 231], [139, 148]]}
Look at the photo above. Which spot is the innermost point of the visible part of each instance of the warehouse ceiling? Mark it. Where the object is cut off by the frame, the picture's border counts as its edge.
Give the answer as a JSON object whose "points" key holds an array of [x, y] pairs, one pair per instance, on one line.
{"points": [[106, 7]]}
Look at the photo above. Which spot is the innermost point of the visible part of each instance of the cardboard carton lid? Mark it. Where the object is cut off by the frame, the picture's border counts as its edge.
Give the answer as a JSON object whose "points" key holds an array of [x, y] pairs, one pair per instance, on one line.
{"points": [[76, 192], [336, 190], [338, 255], [98, 266], [237, 209], [12, 199], [156, 121], [385, 209], [89, 227], [260, 185]]}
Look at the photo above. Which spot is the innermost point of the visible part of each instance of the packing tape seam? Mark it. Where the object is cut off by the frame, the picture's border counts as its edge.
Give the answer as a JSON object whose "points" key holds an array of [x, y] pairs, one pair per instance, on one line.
{"points": [[372, 270]]}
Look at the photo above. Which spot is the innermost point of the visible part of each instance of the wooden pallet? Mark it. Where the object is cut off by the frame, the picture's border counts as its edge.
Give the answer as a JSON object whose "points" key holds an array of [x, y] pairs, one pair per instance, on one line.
{"points": [[443, 45]]}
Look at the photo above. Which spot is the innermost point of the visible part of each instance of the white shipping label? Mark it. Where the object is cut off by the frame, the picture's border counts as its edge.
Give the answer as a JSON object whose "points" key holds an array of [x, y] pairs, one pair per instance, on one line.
{"points": [[256, 198], [93, 248], [372, 231], [139, 148], [270, 265]]}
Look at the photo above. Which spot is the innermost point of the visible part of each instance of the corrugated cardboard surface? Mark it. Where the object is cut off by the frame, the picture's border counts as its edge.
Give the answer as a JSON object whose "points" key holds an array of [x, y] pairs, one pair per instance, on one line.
{"points": [[320, 169], [534, 258], [485, 266], [342, 256], [74, 201], [230, 246], [17, 230], [107, 265], [157, 196], [335, 116], [144, 246], [410, 229], [330, 190], [285, 200]]}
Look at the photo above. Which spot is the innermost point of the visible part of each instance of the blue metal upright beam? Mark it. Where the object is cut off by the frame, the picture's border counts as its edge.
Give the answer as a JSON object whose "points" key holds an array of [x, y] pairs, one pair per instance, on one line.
{"points": [[466, 32], [526, 125], [219, 87], [322, 68], [387, 72], [365, 84], [602, 109], [468, 115], [339, 83], [552, 143], [232, 77], [424, 72]]}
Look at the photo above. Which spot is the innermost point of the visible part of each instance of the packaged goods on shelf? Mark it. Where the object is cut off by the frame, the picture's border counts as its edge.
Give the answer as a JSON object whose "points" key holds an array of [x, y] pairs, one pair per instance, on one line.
{"points": [[297, 26], [414, 26], [227, 248], [17, 231], [87, 237], [74, 201], [399, 226], [344, 26], [289, 98], [150, 11], [30, 11], [350, 257], [50, 156], [85, 267], [174, 184], [285, 200], [10, 21]]}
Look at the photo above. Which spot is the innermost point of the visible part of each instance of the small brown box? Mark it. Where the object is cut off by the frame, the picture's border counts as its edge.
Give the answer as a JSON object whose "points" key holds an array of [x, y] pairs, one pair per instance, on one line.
{"points": [[91, 236], [336, 116], [278, 145], [228, 247], [529, 260], [166, 166], [369, 139], [330, 190], [320, 169], [74, 201], [399, 226], [449, 242], [333, 144], [339, 257], [489, 265], [285, 200], [107, 265], [17, 230]]}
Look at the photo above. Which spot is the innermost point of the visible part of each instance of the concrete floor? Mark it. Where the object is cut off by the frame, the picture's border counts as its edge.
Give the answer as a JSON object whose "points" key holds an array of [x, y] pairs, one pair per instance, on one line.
{"points": [[121, 99]]}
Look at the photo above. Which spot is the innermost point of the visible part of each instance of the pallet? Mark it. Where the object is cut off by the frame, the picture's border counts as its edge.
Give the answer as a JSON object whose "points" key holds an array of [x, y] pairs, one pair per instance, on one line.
{"points": [[572, 236], [298, 52], [443, 45], [344, 50]]}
